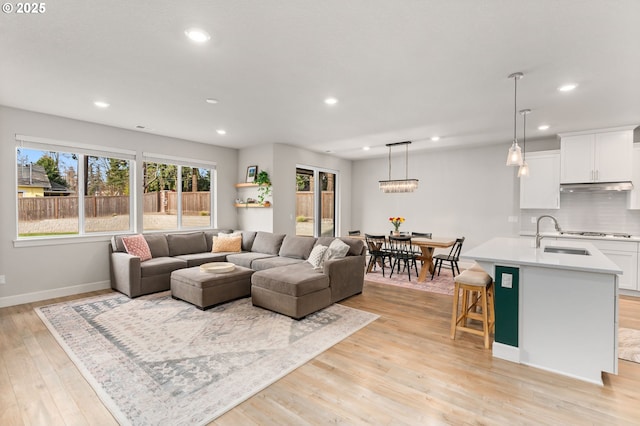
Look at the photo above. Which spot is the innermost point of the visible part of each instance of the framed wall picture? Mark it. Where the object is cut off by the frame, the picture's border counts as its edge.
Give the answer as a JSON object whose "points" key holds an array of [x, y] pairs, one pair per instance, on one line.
{"points": [[252, 172]]}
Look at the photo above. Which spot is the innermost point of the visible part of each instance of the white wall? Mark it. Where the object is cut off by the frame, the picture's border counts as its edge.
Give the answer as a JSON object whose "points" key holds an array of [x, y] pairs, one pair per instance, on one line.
{"points": [[35, 273], [254, 219], [463, 192]]}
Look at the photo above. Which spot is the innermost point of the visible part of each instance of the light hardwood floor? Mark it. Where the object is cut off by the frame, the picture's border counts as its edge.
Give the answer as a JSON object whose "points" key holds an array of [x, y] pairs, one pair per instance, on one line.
{"points": [[401, 369]]}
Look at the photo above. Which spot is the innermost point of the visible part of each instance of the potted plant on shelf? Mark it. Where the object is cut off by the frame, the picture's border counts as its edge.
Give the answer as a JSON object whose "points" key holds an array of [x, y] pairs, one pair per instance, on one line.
{"points": [[264, 187]]}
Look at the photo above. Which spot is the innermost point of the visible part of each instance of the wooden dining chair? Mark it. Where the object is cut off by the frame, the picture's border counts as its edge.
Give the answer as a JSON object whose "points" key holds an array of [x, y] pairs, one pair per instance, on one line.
{"points": [[403, 255], [379, 253], [452, 259]]}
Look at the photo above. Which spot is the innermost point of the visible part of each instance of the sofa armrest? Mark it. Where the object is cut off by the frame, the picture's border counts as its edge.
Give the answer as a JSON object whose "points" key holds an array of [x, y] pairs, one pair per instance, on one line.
{"points": [[125, 273], [346, 276]]}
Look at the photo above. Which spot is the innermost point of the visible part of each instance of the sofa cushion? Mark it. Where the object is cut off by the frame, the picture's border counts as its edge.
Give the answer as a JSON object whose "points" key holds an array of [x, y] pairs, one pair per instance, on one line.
{"points": [[157, 244], [161, 265], [273, 262], [294, 280], [226, 244], [297, 247], [197, 259], [248, 237], [137, 246], [193, 242], [356, 246], [267, 242], [245, 259], [209, 234]]}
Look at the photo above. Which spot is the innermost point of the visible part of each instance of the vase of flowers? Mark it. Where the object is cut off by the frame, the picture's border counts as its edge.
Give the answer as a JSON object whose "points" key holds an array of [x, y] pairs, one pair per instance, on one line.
{"points": [[396, 222]]}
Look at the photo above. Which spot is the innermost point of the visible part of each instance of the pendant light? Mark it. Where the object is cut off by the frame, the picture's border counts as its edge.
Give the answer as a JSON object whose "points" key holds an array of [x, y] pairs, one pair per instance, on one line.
{"points": [[514, 158], [524, 168], [399, 185]]}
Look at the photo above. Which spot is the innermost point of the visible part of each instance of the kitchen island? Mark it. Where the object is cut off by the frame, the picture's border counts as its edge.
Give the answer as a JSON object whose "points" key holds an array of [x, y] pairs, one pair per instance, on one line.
{"points": [[556, 306]]}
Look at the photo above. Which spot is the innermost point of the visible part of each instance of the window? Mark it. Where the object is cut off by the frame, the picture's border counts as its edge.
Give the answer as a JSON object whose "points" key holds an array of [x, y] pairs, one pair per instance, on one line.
{"points": [[177, 193], [70, 189], [47, 193]]}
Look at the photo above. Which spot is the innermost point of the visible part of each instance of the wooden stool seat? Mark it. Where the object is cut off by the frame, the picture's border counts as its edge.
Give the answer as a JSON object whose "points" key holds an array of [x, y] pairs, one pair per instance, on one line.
{"points": [[477, 291]]}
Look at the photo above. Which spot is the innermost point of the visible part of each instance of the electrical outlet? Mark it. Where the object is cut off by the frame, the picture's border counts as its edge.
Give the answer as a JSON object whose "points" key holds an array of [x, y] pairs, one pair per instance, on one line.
{"points": [[533, 219], [507, 281], [513, 219], [3, 279]]}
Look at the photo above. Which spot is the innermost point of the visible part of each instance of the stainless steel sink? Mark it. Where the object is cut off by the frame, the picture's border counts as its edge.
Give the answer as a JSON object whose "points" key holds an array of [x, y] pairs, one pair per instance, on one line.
{"points": [[567, 250]]}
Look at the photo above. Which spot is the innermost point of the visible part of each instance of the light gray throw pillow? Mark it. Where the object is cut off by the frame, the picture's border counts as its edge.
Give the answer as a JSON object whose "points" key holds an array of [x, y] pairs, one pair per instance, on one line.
{"points": [[316, 256], [337, 249]]}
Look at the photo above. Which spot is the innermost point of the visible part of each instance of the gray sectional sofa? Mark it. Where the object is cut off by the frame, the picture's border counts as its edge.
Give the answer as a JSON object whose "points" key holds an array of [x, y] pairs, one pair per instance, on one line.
{"points": [[282, 281]]}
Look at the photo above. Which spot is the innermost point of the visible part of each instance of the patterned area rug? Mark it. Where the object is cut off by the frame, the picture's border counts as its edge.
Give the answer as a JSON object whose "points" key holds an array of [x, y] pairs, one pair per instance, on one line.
{"points": [[155, 360], [629, 344], [442, 284]]}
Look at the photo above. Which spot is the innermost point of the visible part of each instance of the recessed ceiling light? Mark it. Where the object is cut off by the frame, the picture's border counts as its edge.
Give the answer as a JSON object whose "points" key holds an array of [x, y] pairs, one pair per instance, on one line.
{"points": [[567, 87], [435, 138], [543, 127], [197, 35], [140, 127], [331, 101], [221, 132], [101, 104], [329, 151], [366, 148], [211, 101]]}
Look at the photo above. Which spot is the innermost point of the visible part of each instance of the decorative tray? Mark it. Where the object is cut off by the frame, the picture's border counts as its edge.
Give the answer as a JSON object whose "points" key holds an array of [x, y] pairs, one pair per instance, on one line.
{"points": [[217, 267]]}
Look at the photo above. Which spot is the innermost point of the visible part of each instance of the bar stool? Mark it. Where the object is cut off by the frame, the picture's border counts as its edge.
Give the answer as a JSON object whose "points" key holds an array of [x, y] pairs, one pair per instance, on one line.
{"points": [[477, 291]]}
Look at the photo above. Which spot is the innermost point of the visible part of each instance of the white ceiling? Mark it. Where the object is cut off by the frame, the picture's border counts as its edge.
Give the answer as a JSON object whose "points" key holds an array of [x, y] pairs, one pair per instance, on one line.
{"points": [[402, 69]]}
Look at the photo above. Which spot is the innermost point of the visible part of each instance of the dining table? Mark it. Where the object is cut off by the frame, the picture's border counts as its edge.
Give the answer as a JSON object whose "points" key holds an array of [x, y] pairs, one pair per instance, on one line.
{"points": [[427, 247]]}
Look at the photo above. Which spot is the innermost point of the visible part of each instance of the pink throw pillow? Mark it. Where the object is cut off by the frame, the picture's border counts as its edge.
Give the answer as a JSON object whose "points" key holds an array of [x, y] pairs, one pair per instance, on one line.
{"points": [[137, 246]]}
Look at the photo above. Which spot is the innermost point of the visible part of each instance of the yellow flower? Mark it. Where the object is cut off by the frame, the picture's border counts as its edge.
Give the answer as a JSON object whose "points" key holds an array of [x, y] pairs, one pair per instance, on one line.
{"points": [[396, 221]]}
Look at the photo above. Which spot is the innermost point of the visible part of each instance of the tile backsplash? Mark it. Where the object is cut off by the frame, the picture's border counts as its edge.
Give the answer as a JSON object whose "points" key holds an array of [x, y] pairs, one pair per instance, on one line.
{"points": [[588, 211]]}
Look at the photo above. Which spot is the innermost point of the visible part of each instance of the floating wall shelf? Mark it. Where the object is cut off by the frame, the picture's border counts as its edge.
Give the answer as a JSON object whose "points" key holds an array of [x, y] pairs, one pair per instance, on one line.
{"points": [[247, 185], [250, 205]]}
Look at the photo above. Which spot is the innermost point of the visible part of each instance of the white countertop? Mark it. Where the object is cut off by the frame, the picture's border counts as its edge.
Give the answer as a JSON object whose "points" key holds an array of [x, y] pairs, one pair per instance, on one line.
{"points": [[522, 251]]}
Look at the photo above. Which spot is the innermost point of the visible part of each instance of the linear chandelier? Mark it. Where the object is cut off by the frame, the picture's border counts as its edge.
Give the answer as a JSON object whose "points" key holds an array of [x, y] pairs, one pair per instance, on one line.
{"points": [[399, 185]]}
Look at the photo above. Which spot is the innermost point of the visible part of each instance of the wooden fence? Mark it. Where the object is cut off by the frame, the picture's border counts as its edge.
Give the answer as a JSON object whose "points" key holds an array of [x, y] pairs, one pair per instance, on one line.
{"points": [[41, 208], [304, 204]]}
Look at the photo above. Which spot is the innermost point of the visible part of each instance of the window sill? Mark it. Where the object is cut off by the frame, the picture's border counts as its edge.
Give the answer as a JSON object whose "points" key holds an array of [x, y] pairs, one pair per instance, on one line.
{"points": [[56, 241]]}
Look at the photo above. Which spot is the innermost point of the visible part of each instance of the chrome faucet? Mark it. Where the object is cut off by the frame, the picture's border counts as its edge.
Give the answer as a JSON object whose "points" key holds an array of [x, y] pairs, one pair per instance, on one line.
{"points": [[538, 236]]}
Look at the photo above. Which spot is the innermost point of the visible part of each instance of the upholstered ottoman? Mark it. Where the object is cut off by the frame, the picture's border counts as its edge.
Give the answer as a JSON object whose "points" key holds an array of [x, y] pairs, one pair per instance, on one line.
{"points": [[295, 290], [207, 289]]}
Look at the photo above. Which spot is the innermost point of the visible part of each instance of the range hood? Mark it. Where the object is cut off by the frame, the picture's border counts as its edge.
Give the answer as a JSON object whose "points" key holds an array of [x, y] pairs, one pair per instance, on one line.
{"points": [[593, 187]]}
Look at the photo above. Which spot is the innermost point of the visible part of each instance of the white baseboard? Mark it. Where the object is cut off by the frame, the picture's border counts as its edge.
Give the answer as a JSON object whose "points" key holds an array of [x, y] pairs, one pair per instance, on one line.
{"points": [[506, 352], [19, 299]]}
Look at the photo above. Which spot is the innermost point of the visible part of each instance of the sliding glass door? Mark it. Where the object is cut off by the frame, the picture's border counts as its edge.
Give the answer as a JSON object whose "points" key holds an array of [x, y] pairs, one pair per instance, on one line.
{"points": [[315, 202]]}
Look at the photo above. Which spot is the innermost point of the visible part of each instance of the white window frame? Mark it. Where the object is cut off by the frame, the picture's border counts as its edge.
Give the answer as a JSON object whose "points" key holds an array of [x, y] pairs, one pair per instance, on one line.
{"points": [[148, 157], [81, 150]]}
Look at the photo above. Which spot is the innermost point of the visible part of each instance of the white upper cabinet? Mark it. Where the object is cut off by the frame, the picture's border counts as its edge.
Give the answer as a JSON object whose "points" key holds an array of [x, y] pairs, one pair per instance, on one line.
{"points": [[541, 189], [600, 156]]}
